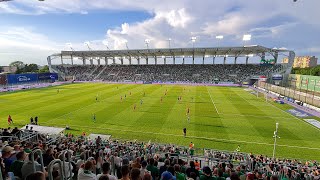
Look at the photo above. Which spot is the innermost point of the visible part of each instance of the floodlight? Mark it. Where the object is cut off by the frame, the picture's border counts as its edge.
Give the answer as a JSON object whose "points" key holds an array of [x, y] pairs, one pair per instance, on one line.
{"points": [[69, 45], [105, 42], [147, 41], [87, 43], [193, 39], [219, 37], [169, 40], [246, 37], [251, 46], [282, 48]]}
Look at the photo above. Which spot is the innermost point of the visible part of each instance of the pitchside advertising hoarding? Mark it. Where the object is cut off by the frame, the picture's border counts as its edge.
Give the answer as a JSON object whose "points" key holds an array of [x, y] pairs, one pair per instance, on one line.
{"points": [[3, 79], [22, 78], [47, 76], [31, 78], [277, 77]]}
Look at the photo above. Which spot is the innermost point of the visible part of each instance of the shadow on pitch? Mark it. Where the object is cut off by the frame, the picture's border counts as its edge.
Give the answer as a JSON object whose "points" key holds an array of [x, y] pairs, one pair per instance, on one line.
{"points": [[209, 125]]}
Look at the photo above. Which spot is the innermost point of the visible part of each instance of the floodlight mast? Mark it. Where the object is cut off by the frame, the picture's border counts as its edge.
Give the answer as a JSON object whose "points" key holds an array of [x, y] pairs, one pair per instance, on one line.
{"points": [[147, 41], [126, 43], [69, 45], [87, 43], [169, 42], [105, 42], [245, 38], [193, 40], [275, 136], [219, 38]]}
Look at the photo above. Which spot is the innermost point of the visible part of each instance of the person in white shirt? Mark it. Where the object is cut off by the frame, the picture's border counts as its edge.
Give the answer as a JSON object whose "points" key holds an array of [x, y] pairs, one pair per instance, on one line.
{"points": [[143, 169], [106, 171], [85, 172]]}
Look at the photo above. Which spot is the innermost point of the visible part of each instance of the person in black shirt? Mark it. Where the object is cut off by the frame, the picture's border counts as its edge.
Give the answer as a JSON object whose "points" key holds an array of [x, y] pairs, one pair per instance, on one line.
{"points": [[5, 133], [184, 132], [15, 131], [36, 120], [48, 157], [31, 120]]}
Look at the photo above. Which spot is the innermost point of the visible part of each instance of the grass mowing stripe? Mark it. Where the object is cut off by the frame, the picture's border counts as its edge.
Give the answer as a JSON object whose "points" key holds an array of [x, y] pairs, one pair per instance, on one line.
{"points": [[235, 123]]}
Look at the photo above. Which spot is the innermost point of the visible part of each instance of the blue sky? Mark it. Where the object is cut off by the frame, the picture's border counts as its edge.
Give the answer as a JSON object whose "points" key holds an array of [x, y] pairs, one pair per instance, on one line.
{"points": [[31, 30]]}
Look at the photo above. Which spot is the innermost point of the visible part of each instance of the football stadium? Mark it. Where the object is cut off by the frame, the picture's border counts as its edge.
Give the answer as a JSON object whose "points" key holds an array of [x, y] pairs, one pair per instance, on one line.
{"points": [[160, 113]]}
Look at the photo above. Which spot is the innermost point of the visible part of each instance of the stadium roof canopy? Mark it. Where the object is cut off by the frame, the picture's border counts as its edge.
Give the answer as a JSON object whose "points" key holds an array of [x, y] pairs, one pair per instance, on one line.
{"points": [[177, 52], [147, 54]]}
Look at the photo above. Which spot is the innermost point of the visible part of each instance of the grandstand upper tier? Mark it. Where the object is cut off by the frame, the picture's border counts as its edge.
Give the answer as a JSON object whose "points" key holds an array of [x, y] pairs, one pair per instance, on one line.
{"points": [[144, 64]]}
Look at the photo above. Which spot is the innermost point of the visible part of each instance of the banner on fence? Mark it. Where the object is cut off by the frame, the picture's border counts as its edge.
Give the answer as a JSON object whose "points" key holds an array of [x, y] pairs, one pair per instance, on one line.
{"points": [[3, 79], [22, 78], [47, 76]]}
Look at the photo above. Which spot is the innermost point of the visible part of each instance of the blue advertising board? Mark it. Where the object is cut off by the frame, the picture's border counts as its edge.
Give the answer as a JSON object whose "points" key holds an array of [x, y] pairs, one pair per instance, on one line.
{"points": [[47, 76], [277, 77], [22, 78]]}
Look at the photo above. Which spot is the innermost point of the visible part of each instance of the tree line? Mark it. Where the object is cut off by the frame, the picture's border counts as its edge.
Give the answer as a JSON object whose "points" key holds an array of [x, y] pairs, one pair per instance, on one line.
{"points": [[27, 68], [314, 71]]}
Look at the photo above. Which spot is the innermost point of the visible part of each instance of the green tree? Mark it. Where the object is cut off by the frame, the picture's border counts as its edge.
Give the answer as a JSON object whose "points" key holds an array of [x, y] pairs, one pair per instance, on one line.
{"points": [[44, 69], [30, 68], [18, 64]]}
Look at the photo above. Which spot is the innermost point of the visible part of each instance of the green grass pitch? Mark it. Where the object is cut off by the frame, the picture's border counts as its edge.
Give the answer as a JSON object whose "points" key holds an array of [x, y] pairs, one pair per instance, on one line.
{"points": [[220, 117]]}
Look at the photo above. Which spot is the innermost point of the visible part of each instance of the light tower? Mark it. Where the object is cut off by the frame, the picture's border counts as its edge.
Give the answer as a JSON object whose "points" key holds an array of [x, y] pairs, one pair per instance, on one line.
{"points": [[87, 43], [105, 42], [275, 136], [246, 37], [169, 42], [219, 38], [147, 41], [69, 45], [193, 40]]}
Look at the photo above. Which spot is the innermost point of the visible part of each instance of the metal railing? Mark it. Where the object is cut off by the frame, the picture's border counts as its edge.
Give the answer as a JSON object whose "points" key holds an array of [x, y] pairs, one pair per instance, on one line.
{"points": [[68, 153], [50, 169], [33, 162]]}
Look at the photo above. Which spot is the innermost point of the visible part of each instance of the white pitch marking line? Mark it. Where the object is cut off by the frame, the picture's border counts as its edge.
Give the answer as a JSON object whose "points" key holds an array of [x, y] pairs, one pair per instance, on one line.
{"points": [[197, 137], [272, 105], [213, 102]]}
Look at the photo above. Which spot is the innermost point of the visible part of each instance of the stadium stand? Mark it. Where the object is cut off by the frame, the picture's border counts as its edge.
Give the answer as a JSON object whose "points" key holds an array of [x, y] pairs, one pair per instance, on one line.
{"points": [[70, 157], [236, 73]]}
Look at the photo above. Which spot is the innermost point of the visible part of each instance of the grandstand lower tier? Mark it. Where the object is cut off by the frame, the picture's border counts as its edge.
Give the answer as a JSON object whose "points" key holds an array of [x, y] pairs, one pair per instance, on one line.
{"points": [[195, 73]]}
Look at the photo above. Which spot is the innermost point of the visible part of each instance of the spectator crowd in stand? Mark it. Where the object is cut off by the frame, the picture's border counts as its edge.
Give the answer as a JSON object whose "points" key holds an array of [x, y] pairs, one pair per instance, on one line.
{"points": [[187, 73], [86, 159]]}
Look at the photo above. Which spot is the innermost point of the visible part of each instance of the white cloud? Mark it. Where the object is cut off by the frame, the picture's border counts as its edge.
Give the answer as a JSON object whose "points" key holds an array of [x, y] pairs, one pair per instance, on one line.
{"points": [[18, 43]]}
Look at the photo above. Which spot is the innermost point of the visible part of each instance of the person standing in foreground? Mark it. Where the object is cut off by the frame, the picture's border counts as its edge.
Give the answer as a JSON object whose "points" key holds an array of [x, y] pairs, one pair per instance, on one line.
{"points": [[184, 132]]}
